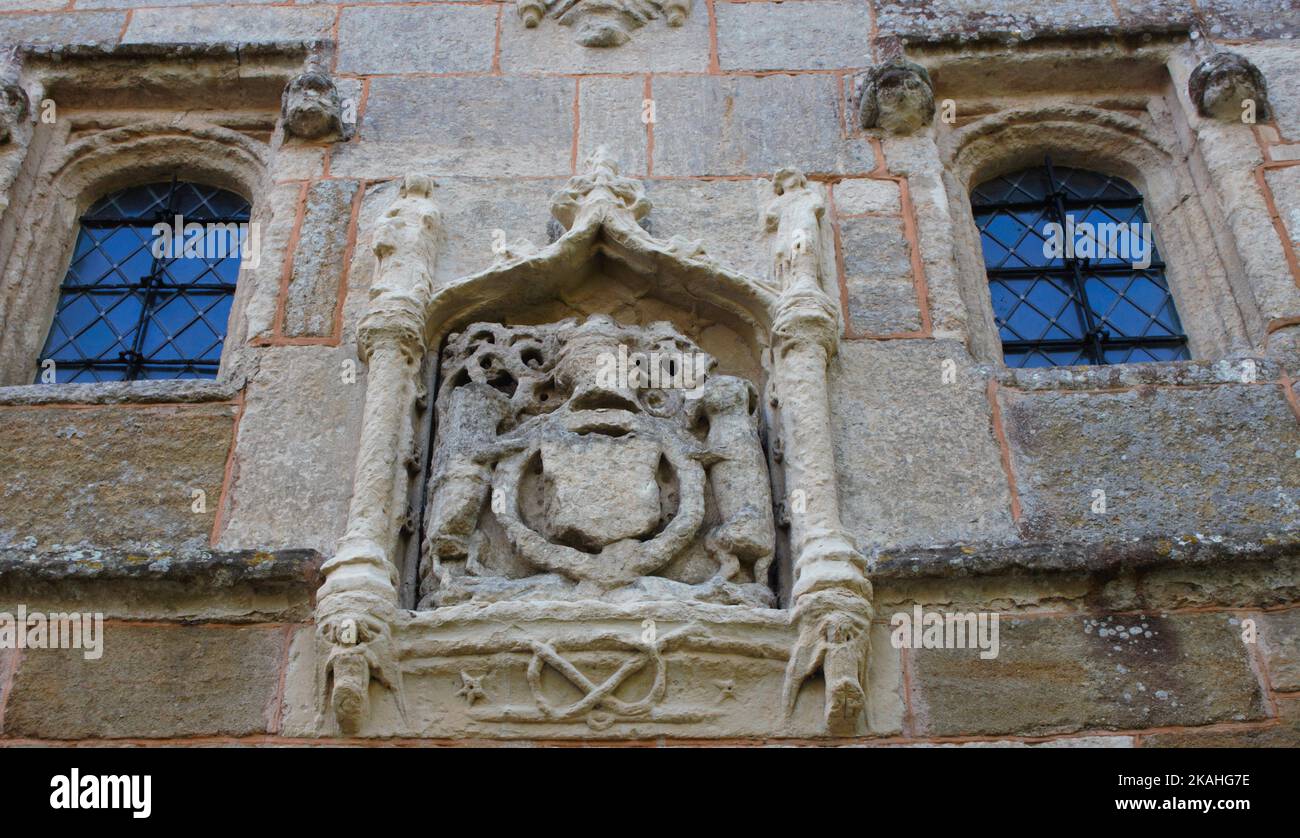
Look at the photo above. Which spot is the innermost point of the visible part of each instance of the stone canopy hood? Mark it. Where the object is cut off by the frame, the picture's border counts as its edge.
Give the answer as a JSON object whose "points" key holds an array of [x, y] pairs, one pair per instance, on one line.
{"points": [[563, 573]]}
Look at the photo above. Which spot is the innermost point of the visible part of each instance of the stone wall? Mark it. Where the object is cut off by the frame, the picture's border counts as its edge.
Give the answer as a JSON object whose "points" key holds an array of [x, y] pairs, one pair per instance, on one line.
{"points": [[965, 484]]}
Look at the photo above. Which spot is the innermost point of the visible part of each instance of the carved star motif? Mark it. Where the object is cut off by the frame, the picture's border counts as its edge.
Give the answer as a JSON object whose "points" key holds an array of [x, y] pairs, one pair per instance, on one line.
{"points": [[471, 688], [726, 690]]}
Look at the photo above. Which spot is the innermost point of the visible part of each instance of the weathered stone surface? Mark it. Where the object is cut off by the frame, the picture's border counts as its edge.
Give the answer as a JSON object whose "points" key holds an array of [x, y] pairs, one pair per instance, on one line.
{"points": [[278, 215], [112, 476], [1235, 19], [731, 208], [1282, 733], [1276, 60], [319, 259], [896, 422], [654, 48], [246, 586], [290, 478], [417, 39], [612, 112], [709, 125], [489, 127], [964, 19], [152, 682], [816, 35], [1175, 462], [1064, 742], [250, 26], [84, 28], [1058, 675], [311, 107], [1285, 184], [858, 196], [1280, 641], [878, 276]]}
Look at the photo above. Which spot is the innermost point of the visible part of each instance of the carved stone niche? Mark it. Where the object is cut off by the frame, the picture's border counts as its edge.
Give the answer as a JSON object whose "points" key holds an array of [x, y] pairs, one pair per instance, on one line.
{"points": [[612, 418]]}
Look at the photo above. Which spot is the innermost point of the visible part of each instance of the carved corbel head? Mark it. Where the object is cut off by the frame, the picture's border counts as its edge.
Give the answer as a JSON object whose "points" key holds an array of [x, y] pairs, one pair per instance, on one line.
{"points": [[14, 105], [1226, 86], [896, 96], [311, 107]]}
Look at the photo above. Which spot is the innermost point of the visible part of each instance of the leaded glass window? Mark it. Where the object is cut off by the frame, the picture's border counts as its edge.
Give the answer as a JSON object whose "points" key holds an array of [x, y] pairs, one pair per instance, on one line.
{"points": [[134, 307], [1073, 270]]}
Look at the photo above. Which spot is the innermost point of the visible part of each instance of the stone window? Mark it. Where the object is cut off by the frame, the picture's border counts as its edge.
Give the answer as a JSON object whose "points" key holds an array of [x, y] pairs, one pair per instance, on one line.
{"points": [[1074, 273], [148, 292]]}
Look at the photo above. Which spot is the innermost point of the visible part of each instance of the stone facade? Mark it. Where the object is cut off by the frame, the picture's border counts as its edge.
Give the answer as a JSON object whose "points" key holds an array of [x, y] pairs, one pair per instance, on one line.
{"points": [[440, 490]]}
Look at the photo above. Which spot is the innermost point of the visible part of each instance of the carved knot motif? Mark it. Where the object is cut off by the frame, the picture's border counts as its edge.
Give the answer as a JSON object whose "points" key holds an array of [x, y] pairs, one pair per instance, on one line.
{"points": [[580, 460], [603, 23]]}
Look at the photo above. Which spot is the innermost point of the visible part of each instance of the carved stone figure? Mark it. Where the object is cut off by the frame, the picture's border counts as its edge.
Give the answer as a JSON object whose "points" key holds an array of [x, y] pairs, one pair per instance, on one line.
{"points": [[896, 95], [594, 460], [1225, 85], [603, 23], [357, 604], [14, 105], [311, 107]]}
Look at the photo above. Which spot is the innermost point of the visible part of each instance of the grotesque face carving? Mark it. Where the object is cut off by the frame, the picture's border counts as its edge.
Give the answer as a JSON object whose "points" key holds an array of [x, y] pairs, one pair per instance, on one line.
{"points": [[311, 107], [594, 460]]}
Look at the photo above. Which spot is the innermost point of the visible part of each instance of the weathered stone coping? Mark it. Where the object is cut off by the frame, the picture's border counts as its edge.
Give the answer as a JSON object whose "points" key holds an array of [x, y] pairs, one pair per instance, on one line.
{"points": [[1243, 370], [185, 391], [1184, 551], [232, 49], [214, 570]]}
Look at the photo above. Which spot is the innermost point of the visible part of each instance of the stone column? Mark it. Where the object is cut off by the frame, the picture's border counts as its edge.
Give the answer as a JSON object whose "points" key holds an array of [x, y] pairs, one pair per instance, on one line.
{"points": [[832, 596], [358, 600]]}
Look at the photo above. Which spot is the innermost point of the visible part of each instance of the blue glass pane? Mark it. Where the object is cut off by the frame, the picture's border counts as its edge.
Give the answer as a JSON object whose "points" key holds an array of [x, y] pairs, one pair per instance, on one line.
{"points": [[123, 313]]}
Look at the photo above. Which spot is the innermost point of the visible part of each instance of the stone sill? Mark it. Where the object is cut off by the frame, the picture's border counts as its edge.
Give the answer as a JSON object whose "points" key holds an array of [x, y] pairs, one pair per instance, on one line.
{"points": [[189, 391], [1128, 376], [211, 569], [1185, 550]]}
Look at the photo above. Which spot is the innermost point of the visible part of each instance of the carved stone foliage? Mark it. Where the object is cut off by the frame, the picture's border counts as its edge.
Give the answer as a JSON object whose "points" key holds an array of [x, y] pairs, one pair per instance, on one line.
{"points": [[594, 460], [603, 23], [1225, 85], [311, 107], [897, 96]]}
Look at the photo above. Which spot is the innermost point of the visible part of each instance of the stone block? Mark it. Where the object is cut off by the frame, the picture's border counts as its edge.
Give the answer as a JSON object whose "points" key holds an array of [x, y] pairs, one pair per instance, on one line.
{"points": [[112, 475], [486, 127], [62, 29], [610, 114], [812, 35], [859, 196], [1280, 642], [1059, 675], [753, 125], [965, 19], [1179, 462], [152, 682], [1250, 19], [291, 476], [1284, 732], [878, 280], [417, 39], [319, 259], [918, 463], [253, 25]]}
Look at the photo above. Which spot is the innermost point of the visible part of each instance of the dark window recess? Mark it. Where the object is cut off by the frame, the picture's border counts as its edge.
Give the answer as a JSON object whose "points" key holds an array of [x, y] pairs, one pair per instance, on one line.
{"points": [[1073, 308], [124, 314]]}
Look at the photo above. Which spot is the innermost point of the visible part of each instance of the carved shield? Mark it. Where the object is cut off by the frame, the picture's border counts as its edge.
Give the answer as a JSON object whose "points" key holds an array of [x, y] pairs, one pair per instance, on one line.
{"points": [[600, 489]]}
